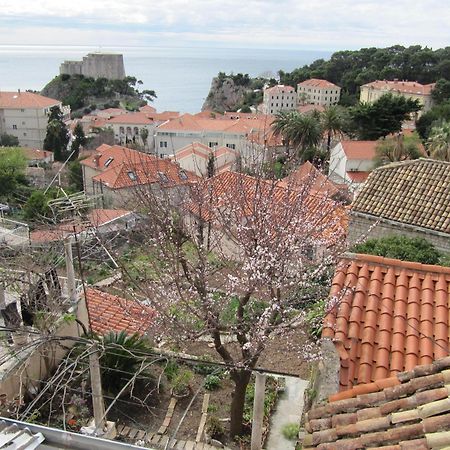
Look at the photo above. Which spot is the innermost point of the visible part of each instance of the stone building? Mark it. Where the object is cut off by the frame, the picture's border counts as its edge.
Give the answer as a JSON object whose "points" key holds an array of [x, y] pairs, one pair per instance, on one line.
{"points": [[279, 98], [410, 198], [318, 92], [96, 65]]}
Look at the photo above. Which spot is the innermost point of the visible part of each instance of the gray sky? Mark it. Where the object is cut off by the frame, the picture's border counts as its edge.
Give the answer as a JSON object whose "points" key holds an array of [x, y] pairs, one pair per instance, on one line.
{"points": [[299, 24]]}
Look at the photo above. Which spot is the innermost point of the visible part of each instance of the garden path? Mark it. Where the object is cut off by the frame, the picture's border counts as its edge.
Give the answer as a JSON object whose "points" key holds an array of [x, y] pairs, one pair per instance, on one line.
{"points": [[289, 410]]}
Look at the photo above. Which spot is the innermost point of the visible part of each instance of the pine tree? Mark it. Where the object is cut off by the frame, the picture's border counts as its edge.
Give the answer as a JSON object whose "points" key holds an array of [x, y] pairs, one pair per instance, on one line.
{"points": [[57, 136], [80, 140]]}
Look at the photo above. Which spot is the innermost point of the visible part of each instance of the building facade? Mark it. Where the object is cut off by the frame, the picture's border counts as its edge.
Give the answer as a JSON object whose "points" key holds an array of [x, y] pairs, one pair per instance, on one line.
{"points": [[318, 92], [279, 98], [25, 115], [371, 92]]}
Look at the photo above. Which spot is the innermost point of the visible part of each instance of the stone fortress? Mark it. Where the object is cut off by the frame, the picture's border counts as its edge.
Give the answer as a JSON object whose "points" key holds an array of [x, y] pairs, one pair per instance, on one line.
{"points": [[96, 65]]}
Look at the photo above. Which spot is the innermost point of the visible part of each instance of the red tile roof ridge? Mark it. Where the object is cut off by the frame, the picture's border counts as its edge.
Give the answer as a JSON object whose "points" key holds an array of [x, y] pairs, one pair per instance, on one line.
{"points": [[382, 260]]}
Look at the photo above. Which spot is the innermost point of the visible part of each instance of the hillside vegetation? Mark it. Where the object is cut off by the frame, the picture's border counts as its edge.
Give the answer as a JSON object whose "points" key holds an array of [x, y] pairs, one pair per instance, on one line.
{"points": [[83, 93]]}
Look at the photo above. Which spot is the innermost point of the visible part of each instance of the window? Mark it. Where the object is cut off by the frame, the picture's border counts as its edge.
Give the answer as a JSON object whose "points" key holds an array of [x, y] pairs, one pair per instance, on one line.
{"points": [[22, 110], [14, 127], [121, 130], [128, 130], [183, 175], [131, 175], [163, 177], [108, 161], [23, 123], [136, 131], [213, 144], [24, 134], [163, 144], [233, 146]]}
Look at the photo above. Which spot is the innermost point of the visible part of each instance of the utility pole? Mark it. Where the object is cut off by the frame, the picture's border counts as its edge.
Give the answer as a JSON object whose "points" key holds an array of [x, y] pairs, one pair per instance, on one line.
{"points": [[97, 395], [71, 286], [258, 411]]}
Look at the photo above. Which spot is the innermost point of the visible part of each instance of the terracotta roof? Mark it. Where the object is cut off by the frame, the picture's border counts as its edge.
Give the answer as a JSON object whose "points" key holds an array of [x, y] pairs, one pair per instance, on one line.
{"points": [[25, 100], [358, 176], [280, 89], [359, 149], [317, 82], [307, 173], [412, 192], [138, 118], [155, 170], [305, 109], [388, 316], [95, 218], [243, 125], [147, 109], [246, 195], [35, 153], [114, 155], [113, 313], [410, 411], [406, 87]]}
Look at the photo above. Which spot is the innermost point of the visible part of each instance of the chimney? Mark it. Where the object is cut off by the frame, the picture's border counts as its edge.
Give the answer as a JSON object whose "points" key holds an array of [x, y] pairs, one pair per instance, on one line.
{"points": [[97, 159], [18, 90]]}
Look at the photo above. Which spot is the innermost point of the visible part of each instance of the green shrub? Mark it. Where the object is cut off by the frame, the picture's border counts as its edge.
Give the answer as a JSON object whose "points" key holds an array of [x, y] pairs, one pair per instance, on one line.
{"points": [[171, 370], [181, 383], [290, 431], [314, 318], [212, 382], [215, 428]]}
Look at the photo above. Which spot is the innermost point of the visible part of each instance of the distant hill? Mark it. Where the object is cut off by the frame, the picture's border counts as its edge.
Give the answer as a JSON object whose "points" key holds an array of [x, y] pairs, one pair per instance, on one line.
{"points": [[83, 93]]}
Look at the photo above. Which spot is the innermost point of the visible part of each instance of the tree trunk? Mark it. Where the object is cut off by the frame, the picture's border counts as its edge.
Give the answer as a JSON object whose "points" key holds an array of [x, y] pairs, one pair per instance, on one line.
{"points": [[241, 379]]}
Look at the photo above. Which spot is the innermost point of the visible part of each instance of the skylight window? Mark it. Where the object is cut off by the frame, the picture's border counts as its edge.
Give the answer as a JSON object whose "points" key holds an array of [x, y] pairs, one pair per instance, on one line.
{"points": [[163, 177], [183, 175], [131, 175], [108, 161]]}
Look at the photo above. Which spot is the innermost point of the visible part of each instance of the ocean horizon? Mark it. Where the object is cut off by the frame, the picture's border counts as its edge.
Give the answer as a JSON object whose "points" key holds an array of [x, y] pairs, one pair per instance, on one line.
{"points": [[180, 76]]}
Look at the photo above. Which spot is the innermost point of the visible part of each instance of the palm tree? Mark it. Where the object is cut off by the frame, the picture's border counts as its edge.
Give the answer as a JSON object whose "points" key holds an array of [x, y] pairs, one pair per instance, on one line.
{"points": [[439, 142], [302, 131], [333, 123]]}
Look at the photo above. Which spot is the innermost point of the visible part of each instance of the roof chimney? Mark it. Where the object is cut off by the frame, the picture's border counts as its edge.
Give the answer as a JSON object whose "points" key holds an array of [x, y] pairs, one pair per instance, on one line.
{"points": [[97, 159], [18, 90]]}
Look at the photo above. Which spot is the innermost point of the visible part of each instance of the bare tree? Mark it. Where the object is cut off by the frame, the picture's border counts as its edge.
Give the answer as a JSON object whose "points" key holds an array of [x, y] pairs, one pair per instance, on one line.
{"points": [[231, 254]]}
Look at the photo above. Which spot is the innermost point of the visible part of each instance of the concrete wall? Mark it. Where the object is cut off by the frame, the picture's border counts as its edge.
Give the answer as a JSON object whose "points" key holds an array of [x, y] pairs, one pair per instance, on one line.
{"points": [[124, 131], [275, 102], [361, 223], [96, 65]]}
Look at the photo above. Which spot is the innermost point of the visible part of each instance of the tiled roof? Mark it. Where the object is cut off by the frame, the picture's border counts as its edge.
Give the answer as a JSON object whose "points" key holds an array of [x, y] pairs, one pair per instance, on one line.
{"points": [[317, 82], [306, 109], [410, 411], [411, 192], [114, 155], [387, 316], [154, 170], [243, 193], [36, 154], [25, 100], [147, 109], [307, 173], [358, 176], [406, 87], [280, 89], [243, 125], [138, 118], [112, 313], [359, 149]]}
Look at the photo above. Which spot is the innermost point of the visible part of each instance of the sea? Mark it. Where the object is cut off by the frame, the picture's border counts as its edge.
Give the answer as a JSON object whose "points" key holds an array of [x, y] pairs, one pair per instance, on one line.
{"points": [[180, 76]]}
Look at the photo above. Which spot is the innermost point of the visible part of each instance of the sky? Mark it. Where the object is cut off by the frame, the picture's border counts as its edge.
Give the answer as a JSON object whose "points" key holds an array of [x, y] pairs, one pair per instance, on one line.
{"points": [[288, 24]]}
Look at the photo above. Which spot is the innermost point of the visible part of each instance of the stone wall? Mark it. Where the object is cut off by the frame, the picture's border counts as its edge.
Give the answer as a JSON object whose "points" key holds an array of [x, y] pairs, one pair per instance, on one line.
{"points": [[360, 224], [96, 65]]}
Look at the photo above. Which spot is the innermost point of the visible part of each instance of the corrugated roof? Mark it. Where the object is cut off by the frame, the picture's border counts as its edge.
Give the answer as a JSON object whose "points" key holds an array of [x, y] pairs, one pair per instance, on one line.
{"points": [[410, 411], [411, 192], [388, 316]]}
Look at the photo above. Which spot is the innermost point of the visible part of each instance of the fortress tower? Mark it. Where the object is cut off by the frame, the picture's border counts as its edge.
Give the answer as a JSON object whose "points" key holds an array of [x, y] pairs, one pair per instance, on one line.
{"points": [[96, 65]]}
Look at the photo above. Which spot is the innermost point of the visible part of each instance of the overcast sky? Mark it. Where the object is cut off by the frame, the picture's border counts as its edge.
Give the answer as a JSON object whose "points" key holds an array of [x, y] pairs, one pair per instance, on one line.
{"points": [[298, 24]]}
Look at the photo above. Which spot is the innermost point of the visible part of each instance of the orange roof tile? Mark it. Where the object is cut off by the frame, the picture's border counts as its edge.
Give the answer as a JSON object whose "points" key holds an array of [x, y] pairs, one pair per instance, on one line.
{"points": [[25, 100], [147, 109], [406, 87], [280, 89], [317, 82], [409, 411], [389, 316], [138, 118], [358, 176], [359, 149], [109, 312], [35, 153]]}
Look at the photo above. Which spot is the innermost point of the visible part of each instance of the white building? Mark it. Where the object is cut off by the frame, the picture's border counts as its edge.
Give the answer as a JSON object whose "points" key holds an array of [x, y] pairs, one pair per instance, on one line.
{"points": [[318, 92], [279, 98], [25, 115], [351, 162]]}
